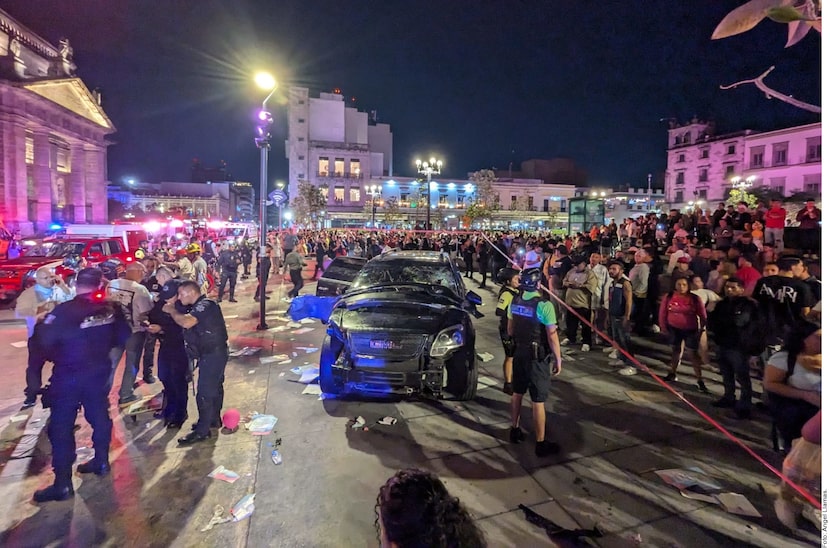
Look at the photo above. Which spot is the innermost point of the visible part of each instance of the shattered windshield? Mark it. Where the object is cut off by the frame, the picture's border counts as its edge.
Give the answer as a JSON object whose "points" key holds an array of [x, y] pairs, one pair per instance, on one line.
{"points": [[56, 249], [406, 272]]}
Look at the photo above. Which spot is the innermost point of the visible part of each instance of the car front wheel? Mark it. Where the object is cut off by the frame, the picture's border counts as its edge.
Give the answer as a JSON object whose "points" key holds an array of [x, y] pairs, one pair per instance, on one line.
{"points": [[328, 355], [462, 375]]}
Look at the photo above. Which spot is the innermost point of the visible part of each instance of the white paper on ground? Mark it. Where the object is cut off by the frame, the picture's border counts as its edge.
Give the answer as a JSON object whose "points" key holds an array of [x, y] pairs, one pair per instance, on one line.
{"points": [[699, 496], [19, 418], [313, 389], [232, 317], [251, 371], [310, 375], [485, 356], [284, 362], [293, 325], [307, 320], [222, 473], [279, 328], [20, 344], [302, 330], [737, 504]]}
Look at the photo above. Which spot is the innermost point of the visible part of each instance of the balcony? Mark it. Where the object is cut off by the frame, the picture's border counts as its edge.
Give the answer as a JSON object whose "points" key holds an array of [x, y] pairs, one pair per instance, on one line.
{"points": [[336, 145]]}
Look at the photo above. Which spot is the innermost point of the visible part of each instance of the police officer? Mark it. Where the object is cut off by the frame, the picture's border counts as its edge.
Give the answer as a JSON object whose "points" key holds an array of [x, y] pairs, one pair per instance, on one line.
{"points": [[531, 321], [206, 340], [509, 279], [77, 337], [173, 363], [229, 261]]}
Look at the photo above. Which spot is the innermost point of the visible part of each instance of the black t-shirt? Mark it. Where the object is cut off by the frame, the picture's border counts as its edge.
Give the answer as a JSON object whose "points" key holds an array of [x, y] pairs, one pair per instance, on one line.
{"points": [[782, 299], [210, 334]]}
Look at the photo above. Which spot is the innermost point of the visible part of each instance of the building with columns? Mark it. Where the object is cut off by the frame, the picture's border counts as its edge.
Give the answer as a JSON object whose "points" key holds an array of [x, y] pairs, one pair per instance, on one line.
{"points": [[53, 135]]}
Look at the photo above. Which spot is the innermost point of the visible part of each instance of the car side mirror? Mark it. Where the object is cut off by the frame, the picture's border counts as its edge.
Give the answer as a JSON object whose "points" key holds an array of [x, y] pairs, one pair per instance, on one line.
{"points": [[474, 298]]}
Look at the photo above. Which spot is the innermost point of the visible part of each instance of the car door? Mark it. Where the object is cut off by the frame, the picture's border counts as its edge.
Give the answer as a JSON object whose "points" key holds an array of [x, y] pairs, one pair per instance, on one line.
{"points": [[339, 276]]}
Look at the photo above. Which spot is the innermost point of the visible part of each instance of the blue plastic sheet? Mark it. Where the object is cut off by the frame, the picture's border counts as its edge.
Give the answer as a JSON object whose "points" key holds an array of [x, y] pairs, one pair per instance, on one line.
{"points": [[311, 306]]}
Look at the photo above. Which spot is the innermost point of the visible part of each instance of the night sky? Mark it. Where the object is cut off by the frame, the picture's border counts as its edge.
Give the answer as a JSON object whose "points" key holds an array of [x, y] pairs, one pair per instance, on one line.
{"points": [[477, 83]]}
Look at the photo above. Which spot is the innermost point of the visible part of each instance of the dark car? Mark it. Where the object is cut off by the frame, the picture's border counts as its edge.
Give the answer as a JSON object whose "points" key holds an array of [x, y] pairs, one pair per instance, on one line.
{"points": [[337, 278], [403, 327]]}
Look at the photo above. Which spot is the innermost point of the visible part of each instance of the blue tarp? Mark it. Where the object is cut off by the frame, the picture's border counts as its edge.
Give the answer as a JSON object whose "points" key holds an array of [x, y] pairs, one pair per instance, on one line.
{"points": [[310, 306]]}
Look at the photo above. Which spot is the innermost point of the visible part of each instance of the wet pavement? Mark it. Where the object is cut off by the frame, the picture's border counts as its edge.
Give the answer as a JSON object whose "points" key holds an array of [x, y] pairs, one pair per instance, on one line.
{"points": [[324, 492]]}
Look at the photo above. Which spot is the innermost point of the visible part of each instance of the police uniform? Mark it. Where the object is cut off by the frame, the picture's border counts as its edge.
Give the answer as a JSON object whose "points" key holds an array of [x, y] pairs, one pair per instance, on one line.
{"points": [[77, 337], [173, 363], [229, 260], [531, 316], [506, 296], [207, 342]]}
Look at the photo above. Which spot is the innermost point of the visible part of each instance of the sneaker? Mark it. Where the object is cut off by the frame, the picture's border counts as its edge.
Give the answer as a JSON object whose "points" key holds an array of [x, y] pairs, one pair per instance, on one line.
{"points": [[701, 387], [655, 329], [670, 377], [586, 348], [233, 300], [150, 379], [724, 403], [627, 371], [516, 435], [616, 363], [28, 403], [609, 349], [546, 448], [564, 341], [614, 355]]}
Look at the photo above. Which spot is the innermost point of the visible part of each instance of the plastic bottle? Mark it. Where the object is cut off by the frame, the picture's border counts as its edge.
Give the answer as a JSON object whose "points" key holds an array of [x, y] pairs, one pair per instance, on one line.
{"points": [[276, 457]]}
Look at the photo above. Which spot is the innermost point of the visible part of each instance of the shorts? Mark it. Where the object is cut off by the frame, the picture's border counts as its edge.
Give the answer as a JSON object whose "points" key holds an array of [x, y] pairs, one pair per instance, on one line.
{"points": [[678, 336], [531, 374], [508, 344]]}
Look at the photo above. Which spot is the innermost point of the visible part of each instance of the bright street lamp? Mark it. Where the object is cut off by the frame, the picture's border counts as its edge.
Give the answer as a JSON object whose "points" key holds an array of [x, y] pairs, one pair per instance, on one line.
{"points": [[743, 184], [374, 192], [428, 169], [263, 141]]}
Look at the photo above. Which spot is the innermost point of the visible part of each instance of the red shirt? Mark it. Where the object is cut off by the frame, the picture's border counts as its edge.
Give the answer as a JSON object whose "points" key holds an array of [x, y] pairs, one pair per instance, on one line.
{"points": [[775, 217], [749, 276], [682, 312]]}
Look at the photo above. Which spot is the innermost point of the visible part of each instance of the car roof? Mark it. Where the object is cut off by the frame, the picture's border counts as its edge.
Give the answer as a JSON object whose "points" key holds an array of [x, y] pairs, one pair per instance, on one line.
{"points": [[417, 256]]}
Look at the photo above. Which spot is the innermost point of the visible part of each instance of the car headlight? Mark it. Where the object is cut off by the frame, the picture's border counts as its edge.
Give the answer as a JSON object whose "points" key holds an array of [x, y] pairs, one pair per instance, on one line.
{"points": [[447, 340]]}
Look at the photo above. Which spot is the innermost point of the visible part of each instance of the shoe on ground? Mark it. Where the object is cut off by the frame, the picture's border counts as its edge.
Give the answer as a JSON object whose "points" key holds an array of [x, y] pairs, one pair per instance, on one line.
{"points": [[508, 388], [546, 448], [92, 467], [627, 371], [655, 329], [150, 379], [670, 377], [192, 438], [128, 400], [616, 363], [28, 403], [177, 425], [701, 387], [53, 492], [724, 403], [564, 341], [586, 348], [609, 349], [233, 300], [516, 435], [614, 355]]}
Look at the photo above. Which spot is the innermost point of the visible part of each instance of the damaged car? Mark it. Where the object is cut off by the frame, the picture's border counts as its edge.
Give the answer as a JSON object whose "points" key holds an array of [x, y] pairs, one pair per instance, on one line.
{"points": [[404, 327]]}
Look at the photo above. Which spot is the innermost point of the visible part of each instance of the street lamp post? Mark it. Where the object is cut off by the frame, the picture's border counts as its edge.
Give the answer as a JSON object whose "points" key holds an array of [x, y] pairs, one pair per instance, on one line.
{"points": [[263, 141], [374, 192], [280, 186], [743, 184], [428, 169]]}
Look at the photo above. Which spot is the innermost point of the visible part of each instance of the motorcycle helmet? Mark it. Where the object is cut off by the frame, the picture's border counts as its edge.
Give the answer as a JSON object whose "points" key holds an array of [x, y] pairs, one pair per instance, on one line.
{"points": [[530, 279]]}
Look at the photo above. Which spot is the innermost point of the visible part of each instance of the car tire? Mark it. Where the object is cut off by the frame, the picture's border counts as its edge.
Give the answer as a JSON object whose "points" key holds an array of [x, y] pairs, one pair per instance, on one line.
{"points": [[462, 376], [328, 355]]}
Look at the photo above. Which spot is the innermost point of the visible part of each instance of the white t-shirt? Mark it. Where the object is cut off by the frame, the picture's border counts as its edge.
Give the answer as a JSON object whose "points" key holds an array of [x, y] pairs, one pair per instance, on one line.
{"points": [[532, 260], [708, 297], [801, 378], [134, 298]]}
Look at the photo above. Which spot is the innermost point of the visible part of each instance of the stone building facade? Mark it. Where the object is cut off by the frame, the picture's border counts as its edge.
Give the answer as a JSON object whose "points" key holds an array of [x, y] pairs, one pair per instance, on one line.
{"points": [[53, 135]]}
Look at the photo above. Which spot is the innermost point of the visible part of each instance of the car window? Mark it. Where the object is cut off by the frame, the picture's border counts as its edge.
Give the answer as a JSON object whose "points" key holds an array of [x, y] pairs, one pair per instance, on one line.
{"points": [[342, 270], [115, 247], [406, 272], [96, 248]]}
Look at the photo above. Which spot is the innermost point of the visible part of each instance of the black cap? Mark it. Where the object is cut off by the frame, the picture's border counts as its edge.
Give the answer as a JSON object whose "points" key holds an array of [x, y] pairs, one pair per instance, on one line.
{"points": [[170, 289], [89, 277]]}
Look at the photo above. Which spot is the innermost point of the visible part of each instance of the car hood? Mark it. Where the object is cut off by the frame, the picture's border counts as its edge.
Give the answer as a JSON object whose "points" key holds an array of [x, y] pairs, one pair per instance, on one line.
{"points": [[395, 310], [26, 263]]}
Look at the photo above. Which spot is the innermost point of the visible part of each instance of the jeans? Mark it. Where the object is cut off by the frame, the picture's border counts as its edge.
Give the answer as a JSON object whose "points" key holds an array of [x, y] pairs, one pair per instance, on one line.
{"points": [[574, 323], [174, 367], [66, 393], [297, 280], [209, 392], [775, 236], [642, 315], [620, 336], [734, 364], [133, 349]]}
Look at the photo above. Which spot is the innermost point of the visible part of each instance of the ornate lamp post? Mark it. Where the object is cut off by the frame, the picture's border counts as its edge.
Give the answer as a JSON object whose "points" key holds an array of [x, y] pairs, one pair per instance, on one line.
{"points": [[743, 184], [374, 192], [263, 141], [428, 169]]}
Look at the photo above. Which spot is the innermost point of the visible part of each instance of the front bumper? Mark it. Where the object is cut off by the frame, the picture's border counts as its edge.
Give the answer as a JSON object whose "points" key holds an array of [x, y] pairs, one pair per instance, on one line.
{"points": [[422, 376]]}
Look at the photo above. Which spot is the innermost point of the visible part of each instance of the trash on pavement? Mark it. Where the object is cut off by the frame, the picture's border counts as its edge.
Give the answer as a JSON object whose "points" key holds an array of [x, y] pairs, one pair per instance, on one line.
{"points": [[20, 344], [300, 369], [737, 504], [246, 351], [231, 317], [283, 373], [307, 320], [358, 422], [222, 473], [251, 371], [698, 496], [310, 375], [276, 457], [279, 328], [388, 421], [293, 354], [294, 325], [313, 389], [274, 358], [557, 533], [217, 518], [19, 418], [485, 356], [84, 454], [243, 508], [302, 330], [694, 479], [284, 362], [261, 425]]}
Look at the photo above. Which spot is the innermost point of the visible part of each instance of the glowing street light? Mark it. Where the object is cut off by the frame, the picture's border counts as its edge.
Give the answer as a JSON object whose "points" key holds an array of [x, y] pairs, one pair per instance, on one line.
{"points": [[428, 169], [743, 184], [374, 192], [267, 83]]}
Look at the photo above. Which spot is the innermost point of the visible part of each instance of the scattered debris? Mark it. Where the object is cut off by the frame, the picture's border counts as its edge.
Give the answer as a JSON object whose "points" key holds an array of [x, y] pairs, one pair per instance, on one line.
{"points": [[19, 418], [279, 328], [293, 354], [20, 344], [735, 503], [261, 425], [306, 320], [222, 473], [357, 423], [556, 532], [274, 358], [284, 362], [217, 518], [310, 375], [313, 389], [243, 508], [302, 330], [276, 457], [294, 325], [699, 496], [251, 371], [283, 373], [694, 479], [246, 351], [388, 421], [485, 356], [232, 317]]}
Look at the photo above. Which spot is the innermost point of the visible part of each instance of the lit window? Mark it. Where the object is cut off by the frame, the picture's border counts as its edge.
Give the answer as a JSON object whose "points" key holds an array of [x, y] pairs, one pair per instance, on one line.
{"points": [[354, 195], [354, 168], [30, 150], [339, 167], [323, 167], [339, 194]]}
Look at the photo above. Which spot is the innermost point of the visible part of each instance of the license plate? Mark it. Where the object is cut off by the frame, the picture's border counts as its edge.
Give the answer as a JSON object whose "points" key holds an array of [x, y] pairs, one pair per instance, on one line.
{"points": [[378, 344]]}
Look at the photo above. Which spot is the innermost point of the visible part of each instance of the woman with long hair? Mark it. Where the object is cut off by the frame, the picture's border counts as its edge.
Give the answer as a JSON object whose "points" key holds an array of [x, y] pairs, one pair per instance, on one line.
{"points": [[415, 510], [683, 317]]}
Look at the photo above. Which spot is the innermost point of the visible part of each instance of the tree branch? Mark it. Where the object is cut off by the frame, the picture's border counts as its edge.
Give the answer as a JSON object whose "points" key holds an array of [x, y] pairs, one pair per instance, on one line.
{"points": [[769, 92]]}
